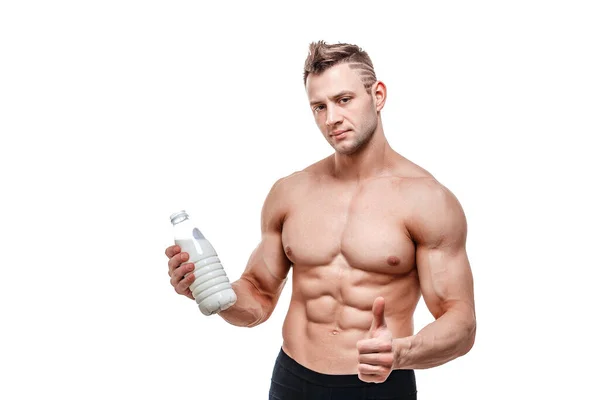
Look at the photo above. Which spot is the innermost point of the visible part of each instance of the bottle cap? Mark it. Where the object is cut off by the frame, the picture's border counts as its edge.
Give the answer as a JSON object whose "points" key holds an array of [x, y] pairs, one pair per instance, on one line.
{"points": [[178, 216]]}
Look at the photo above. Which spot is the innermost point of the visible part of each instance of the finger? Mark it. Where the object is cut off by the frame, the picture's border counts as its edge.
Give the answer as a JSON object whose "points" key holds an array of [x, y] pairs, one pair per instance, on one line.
{"points": [[172, 250], [176, 261], [369, 346], [369, 369], [382, 359], [378, 311], [183, 287], [372, 378], [368, 378], [179, 273], [189, 294]]}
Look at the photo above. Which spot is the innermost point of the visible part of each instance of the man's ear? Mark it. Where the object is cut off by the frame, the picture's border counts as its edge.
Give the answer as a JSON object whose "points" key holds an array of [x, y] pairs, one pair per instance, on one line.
{"points": [[379, 94]]}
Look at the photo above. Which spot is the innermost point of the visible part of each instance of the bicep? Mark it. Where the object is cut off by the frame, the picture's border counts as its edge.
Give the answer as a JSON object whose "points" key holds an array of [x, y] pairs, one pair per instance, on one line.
{"points": [[444, 272], [445, 278], [268, 266]]}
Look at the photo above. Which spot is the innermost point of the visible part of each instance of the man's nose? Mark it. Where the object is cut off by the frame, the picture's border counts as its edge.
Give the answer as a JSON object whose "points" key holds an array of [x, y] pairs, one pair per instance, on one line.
{"points": [[333, 116]]}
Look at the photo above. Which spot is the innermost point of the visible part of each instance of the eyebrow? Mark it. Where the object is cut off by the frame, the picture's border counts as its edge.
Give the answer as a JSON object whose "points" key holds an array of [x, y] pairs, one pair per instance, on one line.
{"points": [[336, 96]]}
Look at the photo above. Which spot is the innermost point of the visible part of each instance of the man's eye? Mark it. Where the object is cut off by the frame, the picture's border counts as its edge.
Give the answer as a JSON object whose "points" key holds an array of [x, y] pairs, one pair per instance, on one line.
{"points": [[345, 99], [319, 108]]}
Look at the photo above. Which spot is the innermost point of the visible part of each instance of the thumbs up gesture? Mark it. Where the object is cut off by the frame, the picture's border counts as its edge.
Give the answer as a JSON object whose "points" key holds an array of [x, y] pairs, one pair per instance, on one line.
{"points": [[376, 353]]}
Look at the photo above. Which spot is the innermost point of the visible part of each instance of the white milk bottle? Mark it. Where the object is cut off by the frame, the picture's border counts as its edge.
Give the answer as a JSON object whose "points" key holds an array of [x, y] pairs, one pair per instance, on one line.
{"points": [[211, 288]]}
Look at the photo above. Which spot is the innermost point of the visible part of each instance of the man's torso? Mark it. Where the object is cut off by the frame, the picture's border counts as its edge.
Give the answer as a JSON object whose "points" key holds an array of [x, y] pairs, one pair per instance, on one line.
{"points": [[348, 243]]}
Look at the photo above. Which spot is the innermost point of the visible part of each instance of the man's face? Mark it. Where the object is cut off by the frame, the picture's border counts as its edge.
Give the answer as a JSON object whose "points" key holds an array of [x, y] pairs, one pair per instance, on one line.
{"points": [[345, 113]]}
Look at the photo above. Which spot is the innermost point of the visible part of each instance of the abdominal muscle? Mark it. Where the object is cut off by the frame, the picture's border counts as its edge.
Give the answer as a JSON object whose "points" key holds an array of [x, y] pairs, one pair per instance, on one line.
{"points": [[331, 310]]}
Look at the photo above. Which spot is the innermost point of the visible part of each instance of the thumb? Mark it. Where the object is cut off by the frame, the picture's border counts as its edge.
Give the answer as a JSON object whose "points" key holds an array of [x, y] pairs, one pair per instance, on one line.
{"points": [[378, 318]]}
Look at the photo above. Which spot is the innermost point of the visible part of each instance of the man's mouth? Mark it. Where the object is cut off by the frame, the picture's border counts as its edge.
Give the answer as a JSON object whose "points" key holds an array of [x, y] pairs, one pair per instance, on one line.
{"points": [[339, 132]]}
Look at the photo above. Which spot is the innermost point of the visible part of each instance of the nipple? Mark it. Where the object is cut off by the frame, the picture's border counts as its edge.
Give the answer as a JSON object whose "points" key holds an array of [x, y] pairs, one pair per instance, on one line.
{"points": [[334, 332], [393, 261], [288, 251]]}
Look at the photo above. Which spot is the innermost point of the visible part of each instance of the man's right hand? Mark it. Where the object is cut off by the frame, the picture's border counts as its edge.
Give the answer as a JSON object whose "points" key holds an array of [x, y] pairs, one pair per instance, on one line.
{"points": [[177, 270]]}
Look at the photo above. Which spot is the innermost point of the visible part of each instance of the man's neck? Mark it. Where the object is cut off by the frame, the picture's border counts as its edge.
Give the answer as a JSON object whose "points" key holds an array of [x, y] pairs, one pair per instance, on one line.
{"points": [[369, 161]]}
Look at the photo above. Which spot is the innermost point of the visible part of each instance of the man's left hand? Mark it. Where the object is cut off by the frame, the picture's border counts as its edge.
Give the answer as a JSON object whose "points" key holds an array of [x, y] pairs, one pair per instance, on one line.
{"points": [[376, 352]]}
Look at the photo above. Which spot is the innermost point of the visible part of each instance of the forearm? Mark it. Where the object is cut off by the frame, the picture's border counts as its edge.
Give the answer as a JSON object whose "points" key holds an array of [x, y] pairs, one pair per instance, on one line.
{"points": [[450, 336], [250, 309]]}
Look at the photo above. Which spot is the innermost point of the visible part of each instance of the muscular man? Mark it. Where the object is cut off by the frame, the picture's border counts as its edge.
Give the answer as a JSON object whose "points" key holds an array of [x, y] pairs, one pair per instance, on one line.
{"points": [[367, 232]]}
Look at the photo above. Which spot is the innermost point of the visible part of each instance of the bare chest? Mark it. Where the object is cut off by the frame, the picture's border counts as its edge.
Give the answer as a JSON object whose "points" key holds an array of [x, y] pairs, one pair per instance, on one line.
{"points": [[363, 225]]}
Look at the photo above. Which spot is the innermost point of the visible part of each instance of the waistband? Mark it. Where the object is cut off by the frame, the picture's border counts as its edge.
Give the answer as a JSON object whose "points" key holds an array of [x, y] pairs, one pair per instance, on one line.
{"points": [[400, 377]]}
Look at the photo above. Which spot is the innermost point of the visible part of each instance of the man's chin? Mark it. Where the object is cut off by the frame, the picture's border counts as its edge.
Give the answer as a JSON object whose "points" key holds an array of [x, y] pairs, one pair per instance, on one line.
{"points": [[345, 150]]}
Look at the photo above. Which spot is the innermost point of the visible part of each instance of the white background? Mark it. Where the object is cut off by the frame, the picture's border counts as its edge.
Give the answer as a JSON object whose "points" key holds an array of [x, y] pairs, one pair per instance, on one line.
{"points": [[115, 114]]}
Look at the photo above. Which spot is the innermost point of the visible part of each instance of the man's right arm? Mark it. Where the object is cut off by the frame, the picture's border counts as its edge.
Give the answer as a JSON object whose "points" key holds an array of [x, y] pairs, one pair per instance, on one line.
{"points": [[262, 282]]}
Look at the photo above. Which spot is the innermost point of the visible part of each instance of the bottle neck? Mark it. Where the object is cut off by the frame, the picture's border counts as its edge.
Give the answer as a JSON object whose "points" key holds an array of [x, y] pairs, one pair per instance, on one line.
{"points": [[179, 219]]}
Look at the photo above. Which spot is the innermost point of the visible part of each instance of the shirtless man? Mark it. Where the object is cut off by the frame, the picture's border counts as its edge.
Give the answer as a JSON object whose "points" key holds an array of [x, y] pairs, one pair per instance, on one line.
{"points": [[367, 232]]}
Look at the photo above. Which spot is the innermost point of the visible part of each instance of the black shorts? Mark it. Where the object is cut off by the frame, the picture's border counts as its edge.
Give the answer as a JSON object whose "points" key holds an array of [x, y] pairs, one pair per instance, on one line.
{"points": [[292, 381]]}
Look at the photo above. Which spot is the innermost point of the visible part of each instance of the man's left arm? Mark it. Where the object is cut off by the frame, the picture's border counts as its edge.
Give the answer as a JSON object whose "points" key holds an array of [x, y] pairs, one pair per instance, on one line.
{"points": [[439, 230]]}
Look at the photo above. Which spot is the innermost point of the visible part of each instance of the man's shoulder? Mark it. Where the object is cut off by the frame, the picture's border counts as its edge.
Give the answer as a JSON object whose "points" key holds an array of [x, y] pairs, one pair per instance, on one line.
{"points": [[410, 177], [290, 182], [426, 194], [424, 190], [434, 209], [301, 178], [287, 188], [407, 171]]}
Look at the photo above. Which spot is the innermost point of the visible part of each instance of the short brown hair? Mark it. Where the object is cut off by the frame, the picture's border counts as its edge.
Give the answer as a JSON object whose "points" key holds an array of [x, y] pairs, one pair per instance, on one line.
{"points": [[322, 56]]}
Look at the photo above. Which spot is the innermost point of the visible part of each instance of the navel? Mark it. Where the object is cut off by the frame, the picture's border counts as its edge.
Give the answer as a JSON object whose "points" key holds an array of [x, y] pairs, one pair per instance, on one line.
{"points": [[393, 261]]}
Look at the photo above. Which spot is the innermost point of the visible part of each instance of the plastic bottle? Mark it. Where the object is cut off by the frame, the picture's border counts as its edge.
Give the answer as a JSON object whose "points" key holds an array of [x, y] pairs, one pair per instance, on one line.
{"points": [[211, 288]]}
